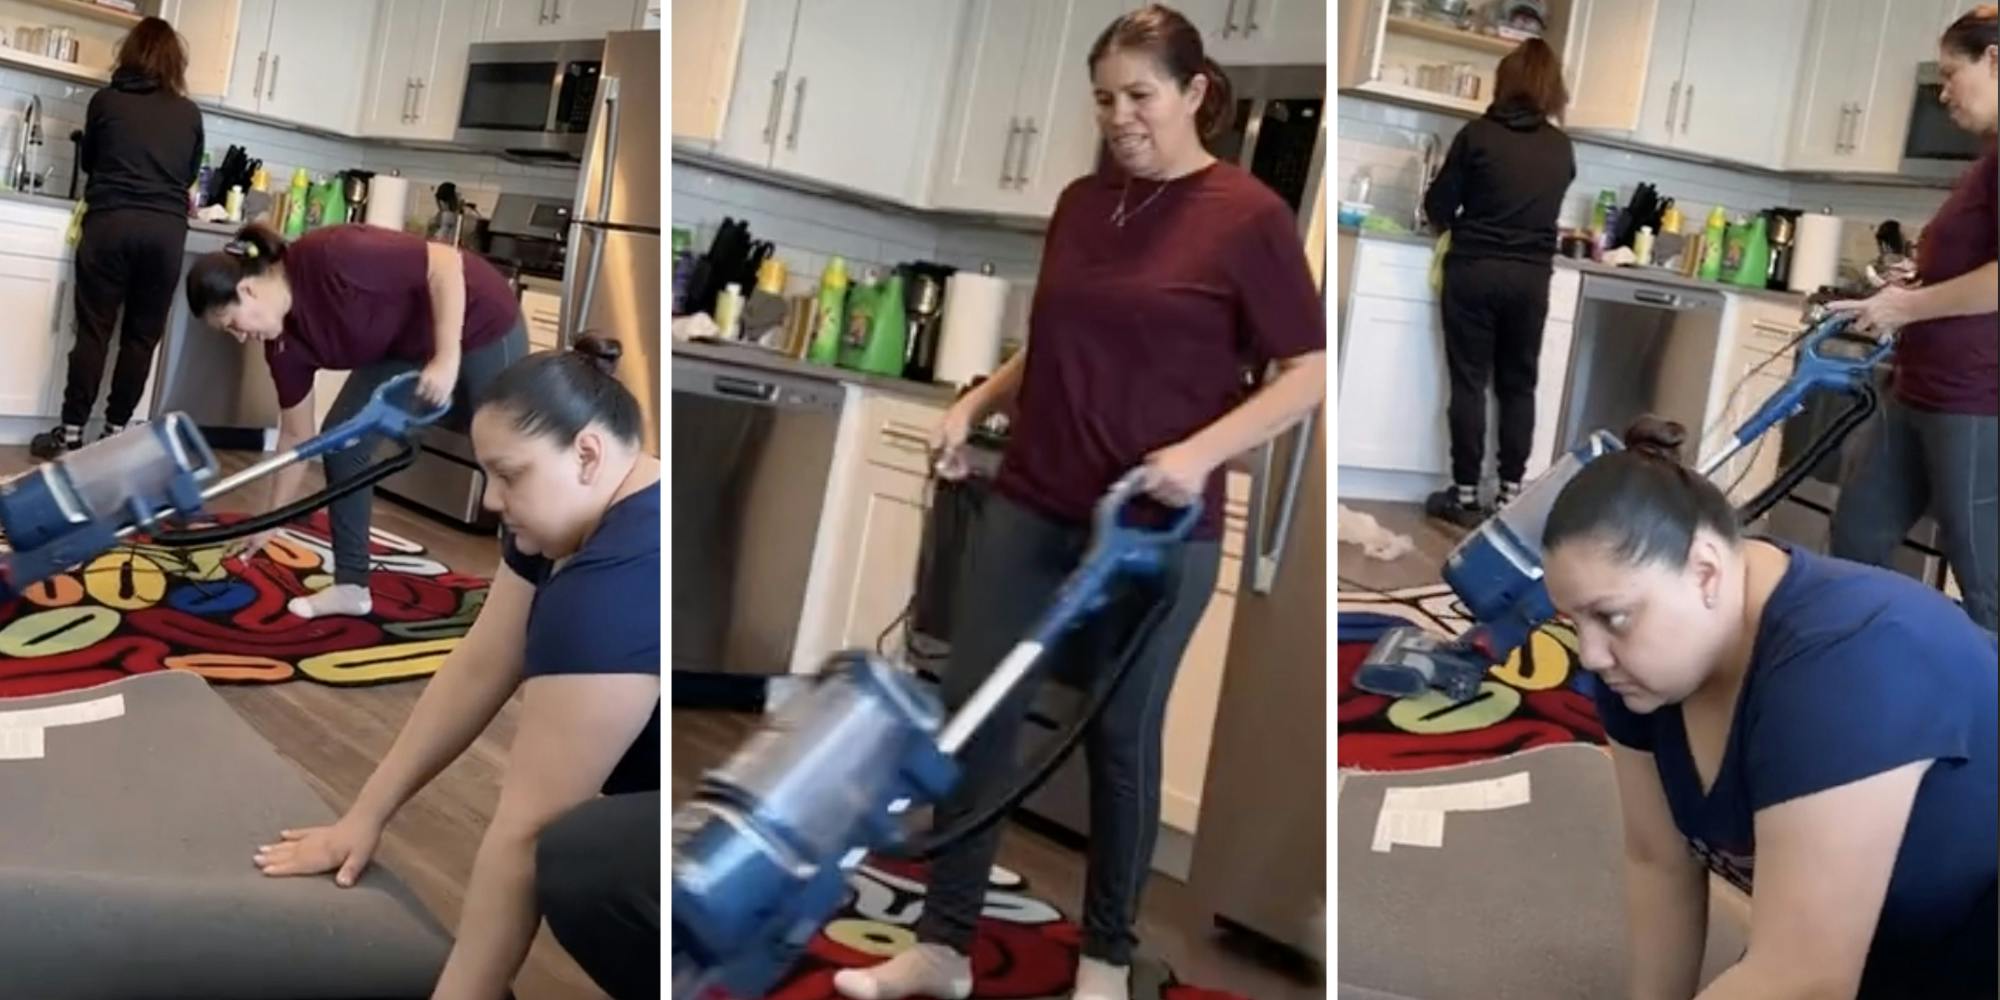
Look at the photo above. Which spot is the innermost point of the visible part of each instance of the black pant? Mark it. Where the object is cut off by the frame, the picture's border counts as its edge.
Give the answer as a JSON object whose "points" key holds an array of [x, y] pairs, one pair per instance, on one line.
{"points": [[129, 258], [1493, 315], [597, 883], [1020, 559]]}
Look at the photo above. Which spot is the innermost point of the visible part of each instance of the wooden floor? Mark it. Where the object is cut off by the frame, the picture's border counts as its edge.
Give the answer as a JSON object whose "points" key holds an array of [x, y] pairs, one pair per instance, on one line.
{"points": [[336, 736], [1172, 927]]}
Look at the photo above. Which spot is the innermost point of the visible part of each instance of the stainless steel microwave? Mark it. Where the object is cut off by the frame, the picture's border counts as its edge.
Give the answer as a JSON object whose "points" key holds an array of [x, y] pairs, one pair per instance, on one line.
{"points": [[530, 99], [1934, 145]]}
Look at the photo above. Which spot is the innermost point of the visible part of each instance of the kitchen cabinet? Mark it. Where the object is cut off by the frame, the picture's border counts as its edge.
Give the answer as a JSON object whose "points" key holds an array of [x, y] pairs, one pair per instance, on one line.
{"points": [[34, 296], [1022, 124], [558, 20], [890, 534], [1383, 53], [706, 38], [1717, 80], [1259, 32], [1752, 364], [814, 97], [209, 29], [541, 311], [1859, 71], [417, 77], [303, 62]]}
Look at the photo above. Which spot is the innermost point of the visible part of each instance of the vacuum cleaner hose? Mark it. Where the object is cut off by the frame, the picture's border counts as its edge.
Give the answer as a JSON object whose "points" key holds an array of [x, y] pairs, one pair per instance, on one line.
{"points": [[1863, 407], [290, 512]]}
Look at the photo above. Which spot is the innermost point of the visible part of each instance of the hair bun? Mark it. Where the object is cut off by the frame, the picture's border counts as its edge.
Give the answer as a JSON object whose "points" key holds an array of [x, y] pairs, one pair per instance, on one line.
{"points": [[1656, 437], [602, 352]]}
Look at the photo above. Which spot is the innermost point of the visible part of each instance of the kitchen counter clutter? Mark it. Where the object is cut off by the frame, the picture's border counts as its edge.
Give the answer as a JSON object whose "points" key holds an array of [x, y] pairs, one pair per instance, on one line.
{"points": [[759, 359], [1617, 342]]}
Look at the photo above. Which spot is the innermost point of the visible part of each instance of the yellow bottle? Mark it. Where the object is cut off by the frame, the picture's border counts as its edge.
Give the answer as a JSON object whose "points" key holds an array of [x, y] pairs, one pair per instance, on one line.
{"points": [[1670, 220]]}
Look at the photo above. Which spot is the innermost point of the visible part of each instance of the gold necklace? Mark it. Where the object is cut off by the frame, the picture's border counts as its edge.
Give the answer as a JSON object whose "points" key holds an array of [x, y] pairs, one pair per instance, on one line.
{"points": [[1119, 216]]}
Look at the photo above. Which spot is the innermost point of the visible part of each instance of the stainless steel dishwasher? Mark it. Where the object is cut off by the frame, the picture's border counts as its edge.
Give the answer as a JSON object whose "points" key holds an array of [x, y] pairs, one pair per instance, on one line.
{"points": [[752, 451], [1639, 348]]}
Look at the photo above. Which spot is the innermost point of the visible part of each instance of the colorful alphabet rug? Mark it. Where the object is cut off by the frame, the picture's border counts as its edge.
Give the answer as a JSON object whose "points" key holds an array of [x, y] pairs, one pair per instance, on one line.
{"points": [[144, 607], [1531, 700], [1025, 949]]}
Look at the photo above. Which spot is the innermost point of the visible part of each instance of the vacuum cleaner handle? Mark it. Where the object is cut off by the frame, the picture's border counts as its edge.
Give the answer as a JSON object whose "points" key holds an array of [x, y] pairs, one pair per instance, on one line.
{"points": [[382, 415], [1812, 371]]}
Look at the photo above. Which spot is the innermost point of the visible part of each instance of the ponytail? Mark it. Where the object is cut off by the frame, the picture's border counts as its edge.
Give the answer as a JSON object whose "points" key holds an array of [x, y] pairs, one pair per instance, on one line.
{"points": [[212, 281]]}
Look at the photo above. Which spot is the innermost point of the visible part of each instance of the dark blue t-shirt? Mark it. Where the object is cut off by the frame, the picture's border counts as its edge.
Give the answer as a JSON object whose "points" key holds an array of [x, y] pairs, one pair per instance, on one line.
{"points": [[600, 614], [1857, 671]]}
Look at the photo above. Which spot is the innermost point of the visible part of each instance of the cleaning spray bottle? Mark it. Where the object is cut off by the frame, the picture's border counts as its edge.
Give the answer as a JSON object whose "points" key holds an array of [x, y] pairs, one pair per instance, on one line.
{"points": [[883, 353], [830, 316], [295, 204], [1712, 238]]}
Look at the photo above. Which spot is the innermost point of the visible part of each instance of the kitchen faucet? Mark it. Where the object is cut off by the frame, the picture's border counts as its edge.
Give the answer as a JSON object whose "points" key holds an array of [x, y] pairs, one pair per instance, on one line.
{"points": [[1428, 162], [26, 139]]}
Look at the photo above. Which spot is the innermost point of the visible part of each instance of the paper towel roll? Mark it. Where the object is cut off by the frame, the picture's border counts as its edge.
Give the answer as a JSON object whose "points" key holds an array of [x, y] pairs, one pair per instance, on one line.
{"points": [[1815, 253], [388, 202], [975, 310]]}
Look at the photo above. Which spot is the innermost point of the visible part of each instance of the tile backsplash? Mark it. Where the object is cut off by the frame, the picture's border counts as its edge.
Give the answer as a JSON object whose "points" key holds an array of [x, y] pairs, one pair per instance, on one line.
{"points": [[807, 228], [480, 177], [1383, 140]]}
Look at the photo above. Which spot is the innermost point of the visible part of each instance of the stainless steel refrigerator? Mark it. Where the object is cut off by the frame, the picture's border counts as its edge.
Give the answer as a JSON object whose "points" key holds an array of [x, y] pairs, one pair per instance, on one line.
{"points": [[1260, 841], [611, 281]]}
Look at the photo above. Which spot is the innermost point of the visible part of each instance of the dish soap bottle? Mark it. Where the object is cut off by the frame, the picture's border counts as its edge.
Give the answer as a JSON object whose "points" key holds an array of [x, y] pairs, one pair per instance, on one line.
{"points": [[295, 204], [830, 316], [1712, 238]]}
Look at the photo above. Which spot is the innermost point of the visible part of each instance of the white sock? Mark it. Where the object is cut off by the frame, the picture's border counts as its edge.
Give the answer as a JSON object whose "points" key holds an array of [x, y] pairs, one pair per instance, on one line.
{"points": [[339, 599], [926, 970], [1097, 980]]}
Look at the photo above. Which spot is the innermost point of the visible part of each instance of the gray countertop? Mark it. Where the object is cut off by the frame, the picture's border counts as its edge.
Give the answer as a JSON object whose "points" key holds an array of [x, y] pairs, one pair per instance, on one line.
{"points": [[759, 359], [1650, 275]]}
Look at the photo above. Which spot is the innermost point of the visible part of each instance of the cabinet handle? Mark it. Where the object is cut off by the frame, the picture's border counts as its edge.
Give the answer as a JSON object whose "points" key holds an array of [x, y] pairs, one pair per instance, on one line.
{"points": [[798, 113], [1271, 539], [777, 108], [1229, 20], [542, 16], [257, 86], [1673, 104], [906, 441], [62, 295], [417, 105], [1028, 133], [1687, 110], [1840, 134], [272, 94], [409, 91], [1854, 127], [1007, 155], [1249, 18]]}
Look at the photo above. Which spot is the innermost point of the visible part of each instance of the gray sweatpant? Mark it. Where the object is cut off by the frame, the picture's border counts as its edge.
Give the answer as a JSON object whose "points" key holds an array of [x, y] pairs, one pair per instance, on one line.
{"points": [[1911, 462], [349, 515], [1019, 561]]}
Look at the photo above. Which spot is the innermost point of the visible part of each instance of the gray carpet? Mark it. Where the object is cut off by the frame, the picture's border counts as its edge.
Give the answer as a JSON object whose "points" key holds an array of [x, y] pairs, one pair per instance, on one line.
{"points": [[1517, 903], [125, 864]]}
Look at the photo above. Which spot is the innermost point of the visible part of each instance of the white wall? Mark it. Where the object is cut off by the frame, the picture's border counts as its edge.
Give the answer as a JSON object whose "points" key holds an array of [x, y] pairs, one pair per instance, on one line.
{"points": [[1382, 139]]}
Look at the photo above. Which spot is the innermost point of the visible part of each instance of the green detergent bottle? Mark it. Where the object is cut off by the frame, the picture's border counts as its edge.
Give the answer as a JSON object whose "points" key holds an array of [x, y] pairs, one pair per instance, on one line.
{"points": [[860, 319], [1754, 264], [883, 352], [1712, 238], [829, 315]]}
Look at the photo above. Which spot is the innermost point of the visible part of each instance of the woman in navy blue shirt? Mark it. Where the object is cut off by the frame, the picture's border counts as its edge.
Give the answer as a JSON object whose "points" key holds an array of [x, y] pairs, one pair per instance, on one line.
{"points": [[1822, 729], [572, 623]]}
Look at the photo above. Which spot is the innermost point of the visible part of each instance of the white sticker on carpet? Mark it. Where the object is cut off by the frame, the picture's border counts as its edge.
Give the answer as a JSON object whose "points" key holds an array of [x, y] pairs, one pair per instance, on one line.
{"points": [[20, 744], [1410, 827], [1495, 793], [75, 713]]}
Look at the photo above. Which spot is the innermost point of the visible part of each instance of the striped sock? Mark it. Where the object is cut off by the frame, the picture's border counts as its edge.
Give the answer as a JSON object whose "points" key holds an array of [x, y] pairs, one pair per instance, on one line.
{"points": [[1468, 496], [1509, 492]]}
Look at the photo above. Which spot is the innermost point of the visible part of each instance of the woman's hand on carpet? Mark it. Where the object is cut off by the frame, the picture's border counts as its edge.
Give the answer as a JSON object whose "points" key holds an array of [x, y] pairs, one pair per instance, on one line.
{"points": [[244, 548], [346, 845]]}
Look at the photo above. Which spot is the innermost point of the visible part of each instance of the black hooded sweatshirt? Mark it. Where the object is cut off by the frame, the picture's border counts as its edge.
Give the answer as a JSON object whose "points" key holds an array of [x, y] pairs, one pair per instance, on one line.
{"points": [[142, 146], [1501, 186]]}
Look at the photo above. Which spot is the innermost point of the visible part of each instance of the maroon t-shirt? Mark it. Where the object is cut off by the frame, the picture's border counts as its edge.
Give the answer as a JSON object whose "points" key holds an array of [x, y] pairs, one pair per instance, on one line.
{"points": [[1141, 336], [361, 294], [1952, 365]]}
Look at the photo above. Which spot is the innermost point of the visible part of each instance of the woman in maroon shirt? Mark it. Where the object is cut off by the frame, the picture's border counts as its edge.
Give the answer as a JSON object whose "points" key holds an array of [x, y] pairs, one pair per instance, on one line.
{"points": [[372, 302], [1934, 447], [1165, 278]]}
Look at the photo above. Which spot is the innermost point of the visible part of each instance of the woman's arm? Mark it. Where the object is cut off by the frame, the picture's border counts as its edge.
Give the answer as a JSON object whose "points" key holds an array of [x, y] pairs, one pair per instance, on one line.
{"points": [[1447, 191], [998, 391], [1823, 867], [1180, 471], [444, 273], [1666, 889], [477, 677], [295, 426], [574, 728], [1975, 293]]}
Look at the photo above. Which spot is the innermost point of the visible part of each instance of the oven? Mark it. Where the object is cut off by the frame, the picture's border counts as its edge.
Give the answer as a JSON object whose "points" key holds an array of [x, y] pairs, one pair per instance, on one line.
{"points": [[1934, 145], [531, 100], [1804, 517]]}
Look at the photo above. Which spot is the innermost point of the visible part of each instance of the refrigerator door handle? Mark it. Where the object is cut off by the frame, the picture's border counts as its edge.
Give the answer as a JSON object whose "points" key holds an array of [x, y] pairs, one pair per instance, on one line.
{"points": [[609, 109], [1271, 540]]}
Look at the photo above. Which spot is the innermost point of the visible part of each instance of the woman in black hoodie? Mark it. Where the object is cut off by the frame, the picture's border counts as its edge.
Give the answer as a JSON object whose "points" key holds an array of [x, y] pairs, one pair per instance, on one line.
{"points": [[142, 146], [1498, 193]]}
